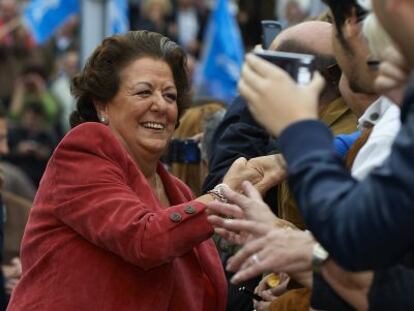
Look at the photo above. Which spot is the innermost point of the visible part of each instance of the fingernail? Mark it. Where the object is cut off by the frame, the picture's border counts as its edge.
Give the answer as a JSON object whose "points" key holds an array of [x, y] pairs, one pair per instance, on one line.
{"points": [[235, 279]]}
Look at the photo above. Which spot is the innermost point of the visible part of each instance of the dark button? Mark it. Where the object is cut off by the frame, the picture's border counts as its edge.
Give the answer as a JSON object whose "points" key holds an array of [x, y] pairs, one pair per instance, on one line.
{"points": [[175, 217], [374, 116], [189, 210]]}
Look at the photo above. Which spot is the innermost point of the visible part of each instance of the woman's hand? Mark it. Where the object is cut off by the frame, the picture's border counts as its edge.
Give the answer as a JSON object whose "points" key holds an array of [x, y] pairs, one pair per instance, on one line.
{"points": [[248, 206], [274, 98], [270, 293]]}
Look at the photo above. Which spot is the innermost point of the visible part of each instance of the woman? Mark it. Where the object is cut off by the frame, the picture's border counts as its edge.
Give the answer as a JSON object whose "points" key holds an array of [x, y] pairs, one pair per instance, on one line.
{"points": [[110, 228]]}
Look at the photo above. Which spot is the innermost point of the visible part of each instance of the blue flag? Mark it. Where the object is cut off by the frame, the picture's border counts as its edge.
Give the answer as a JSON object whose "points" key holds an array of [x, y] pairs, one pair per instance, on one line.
{"points": [[222, 56], [118, 14], [43, 17]]}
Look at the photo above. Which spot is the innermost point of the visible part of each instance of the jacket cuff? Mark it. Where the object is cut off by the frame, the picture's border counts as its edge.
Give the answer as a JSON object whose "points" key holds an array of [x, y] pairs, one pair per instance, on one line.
{"points": [[304, 137]]}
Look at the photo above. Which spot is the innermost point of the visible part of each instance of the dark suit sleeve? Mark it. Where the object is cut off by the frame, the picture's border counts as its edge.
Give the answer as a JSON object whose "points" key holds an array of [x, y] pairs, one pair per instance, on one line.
{"points": [[237, 136], [364, 225], [325, 298]]}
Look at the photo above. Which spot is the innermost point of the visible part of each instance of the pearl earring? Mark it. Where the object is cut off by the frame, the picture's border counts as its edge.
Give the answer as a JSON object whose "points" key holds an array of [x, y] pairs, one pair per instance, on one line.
{"points": [[104, 120]]}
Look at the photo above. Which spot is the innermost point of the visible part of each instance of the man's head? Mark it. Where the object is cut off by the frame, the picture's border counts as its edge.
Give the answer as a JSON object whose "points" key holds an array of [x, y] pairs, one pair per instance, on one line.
{"points": [[351, 49], [8, 10], [313, 38], [397, 17]]}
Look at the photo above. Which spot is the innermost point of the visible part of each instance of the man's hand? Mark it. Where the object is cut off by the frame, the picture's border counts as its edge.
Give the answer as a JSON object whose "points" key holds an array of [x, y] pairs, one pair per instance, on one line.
{"points": [[277, 250], [274, 99], [272, 168], [393, 75]]}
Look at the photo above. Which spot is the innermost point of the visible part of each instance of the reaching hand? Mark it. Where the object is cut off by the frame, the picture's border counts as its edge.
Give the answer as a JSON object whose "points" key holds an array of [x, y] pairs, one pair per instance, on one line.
{"points": [[274, 99], [393, 75], [276, 250], [272, 168]]}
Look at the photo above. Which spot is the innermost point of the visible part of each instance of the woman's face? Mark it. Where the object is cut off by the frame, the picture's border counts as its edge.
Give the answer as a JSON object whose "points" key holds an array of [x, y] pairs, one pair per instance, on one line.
{"points": [[143, 113]]}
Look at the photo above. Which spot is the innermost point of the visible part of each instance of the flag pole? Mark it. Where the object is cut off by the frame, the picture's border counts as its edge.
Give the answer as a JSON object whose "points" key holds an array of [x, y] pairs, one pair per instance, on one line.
{"points": [[94, 26]]}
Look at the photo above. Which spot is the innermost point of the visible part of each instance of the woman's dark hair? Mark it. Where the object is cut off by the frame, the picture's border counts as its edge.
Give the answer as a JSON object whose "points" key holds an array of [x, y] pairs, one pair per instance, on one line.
{"points": [[99, 81]]}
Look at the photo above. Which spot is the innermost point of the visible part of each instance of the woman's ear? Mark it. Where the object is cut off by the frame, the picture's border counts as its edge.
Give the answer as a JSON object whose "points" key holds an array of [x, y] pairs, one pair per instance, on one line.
{"points": [[102, 112]]}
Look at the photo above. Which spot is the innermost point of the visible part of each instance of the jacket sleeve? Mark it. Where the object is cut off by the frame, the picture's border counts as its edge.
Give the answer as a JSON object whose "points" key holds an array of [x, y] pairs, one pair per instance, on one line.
{"points": [[238, 135], [364, 225], [91, 194], [392, 289]]}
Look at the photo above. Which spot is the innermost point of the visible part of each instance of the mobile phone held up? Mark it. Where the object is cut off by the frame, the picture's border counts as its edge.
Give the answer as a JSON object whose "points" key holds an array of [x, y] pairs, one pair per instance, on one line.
{"points": [[270, 29], [298, 66]]}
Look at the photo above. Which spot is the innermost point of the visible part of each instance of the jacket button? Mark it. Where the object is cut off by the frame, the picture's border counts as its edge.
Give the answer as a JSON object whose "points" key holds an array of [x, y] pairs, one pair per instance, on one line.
{"points": [[189, 210], [175, 217]]}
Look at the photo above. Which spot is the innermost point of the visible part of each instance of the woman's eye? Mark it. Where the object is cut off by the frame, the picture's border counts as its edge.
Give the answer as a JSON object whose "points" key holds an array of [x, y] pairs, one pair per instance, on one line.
{"points": [[144, 93], [171, 97]]}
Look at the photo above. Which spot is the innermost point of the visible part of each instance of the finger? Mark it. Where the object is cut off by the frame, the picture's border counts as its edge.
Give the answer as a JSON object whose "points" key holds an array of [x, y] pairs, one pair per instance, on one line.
{"points": [[317, 84], [392, 55], [247, 92], [383, 84], [231, 237], [251, 191], [244, 255], [268, 295], [240, 225], [237, 198], [389, 70], [251, 78], [229, 210]]}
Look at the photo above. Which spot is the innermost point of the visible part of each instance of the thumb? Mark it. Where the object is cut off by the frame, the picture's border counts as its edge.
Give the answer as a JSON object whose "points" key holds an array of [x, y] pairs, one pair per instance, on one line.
{"points": [[317, 84]]}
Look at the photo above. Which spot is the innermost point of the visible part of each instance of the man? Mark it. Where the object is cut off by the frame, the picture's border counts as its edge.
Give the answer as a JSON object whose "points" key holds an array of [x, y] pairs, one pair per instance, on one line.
{"points": [[364, 224], [240, 136]]}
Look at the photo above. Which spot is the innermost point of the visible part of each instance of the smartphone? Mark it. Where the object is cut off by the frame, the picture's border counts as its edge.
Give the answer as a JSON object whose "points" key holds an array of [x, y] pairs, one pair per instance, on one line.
{"points": [[270, 29], [299, 66]]}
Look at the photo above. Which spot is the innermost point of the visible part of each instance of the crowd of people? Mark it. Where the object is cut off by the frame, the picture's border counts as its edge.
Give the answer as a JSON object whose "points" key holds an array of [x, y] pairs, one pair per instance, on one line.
{"points": [[149, 197]]}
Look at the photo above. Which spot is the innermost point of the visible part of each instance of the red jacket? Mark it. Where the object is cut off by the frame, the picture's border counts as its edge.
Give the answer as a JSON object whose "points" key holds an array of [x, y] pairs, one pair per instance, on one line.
{"points": [[99, 239]]}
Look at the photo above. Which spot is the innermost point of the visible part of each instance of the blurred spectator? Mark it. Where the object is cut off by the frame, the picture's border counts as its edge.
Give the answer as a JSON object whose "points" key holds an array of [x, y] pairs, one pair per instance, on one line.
{"points": [[155, 15], [65, 39], [292, 12], [60, 88], [188, 25], [31, 142], [191, 127], [15, 46], [250, 14], [29, 87]]}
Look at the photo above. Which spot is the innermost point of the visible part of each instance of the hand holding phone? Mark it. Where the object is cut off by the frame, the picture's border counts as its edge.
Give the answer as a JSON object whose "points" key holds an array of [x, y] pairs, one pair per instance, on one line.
{"points": [[298, 66]]}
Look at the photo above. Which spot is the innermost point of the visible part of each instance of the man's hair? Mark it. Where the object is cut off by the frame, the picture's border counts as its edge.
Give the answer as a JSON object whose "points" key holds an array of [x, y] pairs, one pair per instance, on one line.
{"points": [[343, 9]]}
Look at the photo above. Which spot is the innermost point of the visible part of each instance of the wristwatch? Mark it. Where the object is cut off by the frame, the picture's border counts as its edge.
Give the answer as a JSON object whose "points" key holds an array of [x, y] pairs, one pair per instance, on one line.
{"points": [[319, 256]]}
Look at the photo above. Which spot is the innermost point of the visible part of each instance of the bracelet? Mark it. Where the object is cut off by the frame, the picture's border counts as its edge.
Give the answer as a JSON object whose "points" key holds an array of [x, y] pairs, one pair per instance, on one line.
{"points": [[217, 193], [319, 256]]}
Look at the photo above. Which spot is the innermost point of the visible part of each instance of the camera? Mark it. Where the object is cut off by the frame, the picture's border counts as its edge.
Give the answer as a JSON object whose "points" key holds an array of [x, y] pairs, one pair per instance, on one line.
{"points": [[183, 151], [298, 66]]}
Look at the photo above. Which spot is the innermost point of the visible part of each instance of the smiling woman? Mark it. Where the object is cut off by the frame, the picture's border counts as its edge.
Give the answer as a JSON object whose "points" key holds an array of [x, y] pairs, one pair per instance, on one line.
{"points": [[111, 229]]}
